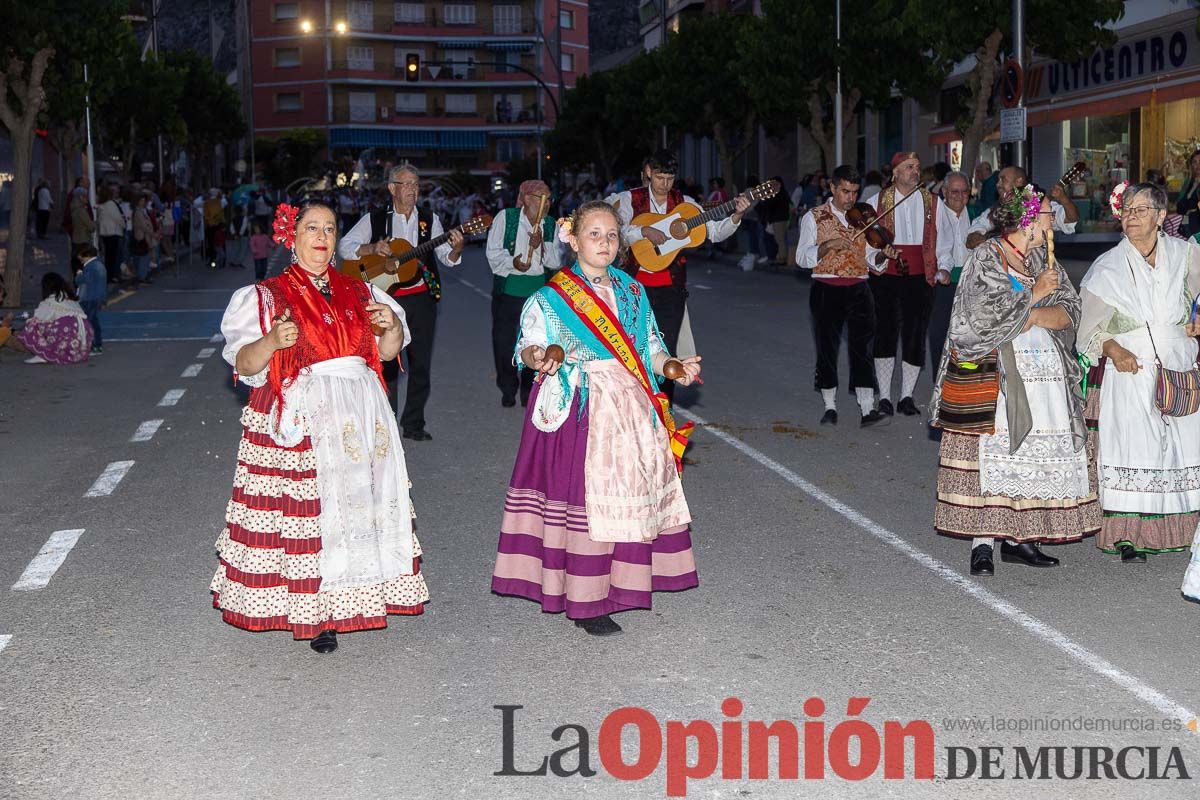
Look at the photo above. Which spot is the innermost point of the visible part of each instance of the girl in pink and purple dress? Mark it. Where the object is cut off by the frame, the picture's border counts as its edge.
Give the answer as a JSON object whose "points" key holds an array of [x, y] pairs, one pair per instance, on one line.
{"points": [[58, 332]]}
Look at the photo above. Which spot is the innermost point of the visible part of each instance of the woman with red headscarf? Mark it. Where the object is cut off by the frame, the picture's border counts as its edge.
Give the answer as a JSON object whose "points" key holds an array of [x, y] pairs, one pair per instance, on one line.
{"points": [[319, 534]]}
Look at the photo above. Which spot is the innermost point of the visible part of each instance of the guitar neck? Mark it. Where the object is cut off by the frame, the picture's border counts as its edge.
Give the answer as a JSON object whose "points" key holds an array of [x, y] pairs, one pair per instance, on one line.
{"points": [[712, 214], [422, 250]]}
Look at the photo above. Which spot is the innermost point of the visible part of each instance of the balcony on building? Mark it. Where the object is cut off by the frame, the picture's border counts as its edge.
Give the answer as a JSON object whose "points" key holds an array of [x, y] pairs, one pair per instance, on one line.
{"points": [[442, 19]]}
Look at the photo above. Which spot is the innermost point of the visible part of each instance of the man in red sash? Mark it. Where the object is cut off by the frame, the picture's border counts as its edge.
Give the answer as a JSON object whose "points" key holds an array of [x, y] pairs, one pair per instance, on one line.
{"points": [[666, 290], [903, 286]]}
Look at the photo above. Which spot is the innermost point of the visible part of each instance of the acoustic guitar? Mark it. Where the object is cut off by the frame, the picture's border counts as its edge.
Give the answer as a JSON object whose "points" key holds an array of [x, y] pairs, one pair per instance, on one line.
{"points": [[403, 265], [684, 227]]}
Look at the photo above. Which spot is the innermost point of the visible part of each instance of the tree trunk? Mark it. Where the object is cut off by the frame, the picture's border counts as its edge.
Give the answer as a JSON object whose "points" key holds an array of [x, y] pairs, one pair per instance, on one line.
{"points": [[20, 128], [724, 154], [823, 133], [68, 140], [981, 83]]}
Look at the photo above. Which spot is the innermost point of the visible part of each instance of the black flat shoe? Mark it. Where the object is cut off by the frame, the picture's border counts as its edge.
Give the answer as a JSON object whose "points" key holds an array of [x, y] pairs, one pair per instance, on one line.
{"points": [[1025, 553], [1131, 556], [508, 402], [829, 417], [981, 560], [417, 436], [885, 407], [874, 418], [598, 626], [324, 642], [907, 407]]}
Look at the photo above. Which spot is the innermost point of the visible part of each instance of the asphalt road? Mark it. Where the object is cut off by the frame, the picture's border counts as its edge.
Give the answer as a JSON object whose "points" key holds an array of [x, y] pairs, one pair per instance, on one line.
{"points": [[820, 576]]}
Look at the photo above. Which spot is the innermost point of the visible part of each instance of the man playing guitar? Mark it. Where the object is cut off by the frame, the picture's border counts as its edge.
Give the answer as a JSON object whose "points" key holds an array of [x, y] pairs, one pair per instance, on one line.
{"points": [[666, 290], [370, 235]]}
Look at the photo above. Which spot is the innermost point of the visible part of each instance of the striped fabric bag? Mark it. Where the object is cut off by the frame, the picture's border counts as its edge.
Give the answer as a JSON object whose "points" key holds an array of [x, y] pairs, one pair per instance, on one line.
{"points": [[969, 392], [1176, 392]]}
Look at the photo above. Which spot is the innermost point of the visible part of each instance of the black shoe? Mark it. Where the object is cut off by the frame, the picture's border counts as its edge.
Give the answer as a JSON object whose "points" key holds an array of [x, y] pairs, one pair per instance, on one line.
{"points": [[885, 407], [598, 626], [524, 400], [981, 560], [829, 417], [907, 407], [324, 642], [874, 418], [1025, 553], [417, 436], [508, 402], [1131, 556]]}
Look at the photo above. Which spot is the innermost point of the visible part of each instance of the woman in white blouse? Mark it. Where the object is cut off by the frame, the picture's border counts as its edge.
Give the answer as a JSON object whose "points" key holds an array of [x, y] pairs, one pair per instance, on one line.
{"points": [[319, 537]]}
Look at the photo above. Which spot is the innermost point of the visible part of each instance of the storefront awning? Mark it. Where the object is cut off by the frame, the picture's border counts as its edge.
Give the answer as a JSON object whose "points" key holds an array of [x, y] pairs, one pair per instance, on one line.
{"points": [[462, 140], [462, 44], [393, 138], [510, 47]]}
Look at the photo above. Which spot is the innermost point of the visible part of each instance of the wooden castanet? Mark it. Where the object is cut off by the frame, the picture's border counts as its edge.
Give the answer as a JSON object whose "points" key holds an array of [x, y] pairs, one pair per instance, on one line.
{"points": [[553, 352], [673, 369]]}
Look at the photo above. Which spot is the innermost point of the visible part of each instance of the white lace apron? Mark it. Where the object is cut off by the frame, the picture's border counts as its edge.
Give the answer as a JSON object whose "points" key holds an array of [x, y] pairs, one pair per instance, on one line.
{"points": [[1046, 465], [366, 515]]}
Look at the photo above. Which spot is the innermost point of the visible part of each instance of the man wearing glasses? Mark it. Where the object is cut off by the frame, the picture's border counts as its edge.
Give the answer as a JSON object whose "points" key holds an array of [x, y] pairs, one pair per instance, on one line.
{"points": [[371, 234], [953, 222], [1065, 212]]}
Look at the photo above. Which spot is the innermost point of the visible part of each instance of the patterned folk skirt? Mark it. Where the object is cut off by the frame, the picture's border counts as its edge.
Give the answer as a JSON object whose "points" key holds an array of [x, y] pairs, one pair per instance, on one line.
{"points": [[269, 577], [545, 553], [963, 510]]}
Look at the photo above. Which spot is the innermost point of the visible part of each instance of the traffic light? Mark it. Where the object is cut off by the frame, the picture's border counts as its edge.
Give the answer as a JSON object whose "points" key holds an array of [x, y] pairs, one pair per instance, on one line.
{"points": [[412, 67]]}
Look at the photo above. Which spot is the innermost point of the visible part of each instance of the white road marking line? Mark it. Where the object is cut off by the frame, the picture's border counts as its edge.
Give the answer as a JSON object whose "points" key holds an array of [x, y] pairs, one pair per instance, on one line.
{"points": [[196, 291], [1147, 694], [171, 397], [146, 430], [701, 286], [108, 339], [192, 370], [206, 352], [169, 311], [4, 640], [216, 337], [109, 479], [48, 560], [474, 288]]}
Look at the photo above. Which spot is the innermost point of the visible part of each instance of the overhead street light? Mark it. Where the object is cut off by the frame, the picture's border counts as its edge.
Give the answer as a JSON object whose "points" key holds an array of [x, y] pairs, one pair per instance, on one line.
{"points": [[306, 26]]}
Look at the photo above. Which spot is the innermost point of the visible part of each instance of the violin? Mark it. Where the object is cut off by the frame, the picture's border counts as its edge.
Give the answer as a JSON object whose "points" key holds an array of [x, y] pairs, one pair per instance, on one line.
{"points": [[865, 219]]}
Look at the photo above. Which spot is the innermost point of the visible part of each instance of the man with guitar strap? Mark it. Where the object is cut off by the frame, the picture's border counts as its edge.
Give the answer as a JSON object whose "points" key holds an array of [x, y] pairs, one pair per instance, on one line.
{"points": [[666, 290], [522, 246], [419, 297], [1011, 178], [903, 292]]}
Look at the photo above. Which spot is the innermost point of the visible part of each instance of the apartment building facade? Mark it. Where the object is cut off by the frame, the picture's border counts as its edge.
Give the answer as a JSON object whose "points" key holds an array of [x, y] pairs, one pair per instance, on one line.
{"points": [[489, 75]]}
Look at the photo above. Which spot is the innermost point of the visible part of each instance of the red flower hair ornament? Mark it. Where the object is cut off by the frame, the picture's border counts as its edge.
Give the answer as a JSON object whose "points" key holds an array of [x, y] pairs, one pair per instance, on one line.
{"points": [[285, 224]]}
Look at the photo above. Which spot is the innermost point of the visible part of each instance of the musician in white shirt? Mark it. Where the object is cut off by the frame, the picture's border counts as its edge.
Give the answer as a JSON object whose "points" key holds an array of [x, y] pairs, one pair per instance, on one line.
{"points": [[953, 222], [419, 297], [666, 290], [518, 233], [1065, 212]]}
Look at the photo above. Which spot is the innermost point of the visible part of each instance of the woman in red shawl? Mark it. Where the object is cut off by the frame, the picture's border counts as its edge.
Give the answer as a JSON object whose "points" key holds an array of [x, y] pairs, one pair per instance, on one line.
{"points": [[319, 534]]}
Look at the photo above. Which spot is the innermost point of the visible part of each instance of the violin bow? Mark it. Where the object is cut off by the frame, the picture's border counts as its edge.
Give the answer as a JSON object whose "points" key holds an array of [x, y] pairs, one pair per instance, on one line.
{"points": [[880, 215]]}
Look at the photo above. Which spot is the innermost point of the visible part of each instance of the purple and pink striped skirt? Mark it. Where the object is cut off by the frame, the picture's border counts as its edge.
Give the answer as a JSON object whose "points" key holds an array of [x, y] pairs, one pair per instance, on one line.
{"points": [[545, 554]]}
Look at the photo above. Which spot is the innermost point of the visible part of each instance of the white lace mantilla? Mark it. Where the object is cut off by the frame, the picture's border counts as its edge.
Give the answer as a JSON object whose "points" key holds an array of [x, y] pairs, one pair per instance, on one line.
{"points": [[1046, 466]]}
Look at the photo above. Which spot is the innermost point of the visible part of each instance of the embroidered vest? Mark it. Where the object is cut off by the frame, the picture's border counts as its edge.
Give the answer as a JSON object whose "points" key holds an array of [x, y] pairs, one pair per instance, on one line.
{"points": [[676, 274], [887, 199], [839, 263]]}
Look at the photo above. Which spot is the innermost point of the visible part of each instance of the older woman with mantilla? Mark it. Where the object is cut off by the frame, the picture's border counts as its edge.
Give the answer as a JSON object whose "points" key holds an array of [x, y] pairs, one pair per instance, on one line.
{"points": [[319, 534], [1137, 308]]}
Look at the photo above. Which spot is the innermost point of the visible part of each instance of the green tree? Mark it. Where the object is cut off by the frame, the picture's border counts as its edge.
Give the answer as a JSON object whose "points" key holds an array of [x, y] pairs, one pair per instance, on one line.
{"points": [[604, 124], [26, 56], [290, 157], [145, 100], [698, 88], [98, 37], [1060, 29], [789, 58], [210, 110]]}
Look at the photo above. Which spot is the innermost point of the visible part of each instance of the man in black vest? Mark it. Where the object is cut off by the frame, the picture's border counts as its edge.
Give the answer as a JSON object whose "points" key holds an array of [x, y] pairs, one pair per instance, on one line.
{"points": [[371, 234]]}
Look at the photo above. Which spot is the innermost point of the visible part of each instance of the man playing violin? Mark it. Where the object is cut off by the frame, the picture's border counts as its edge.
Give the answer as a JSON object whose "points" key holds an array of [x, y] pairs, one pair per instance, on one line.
{"points": [[903, 286], [1010, 178], [666, 290], [840, 297], [371, 234]]}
